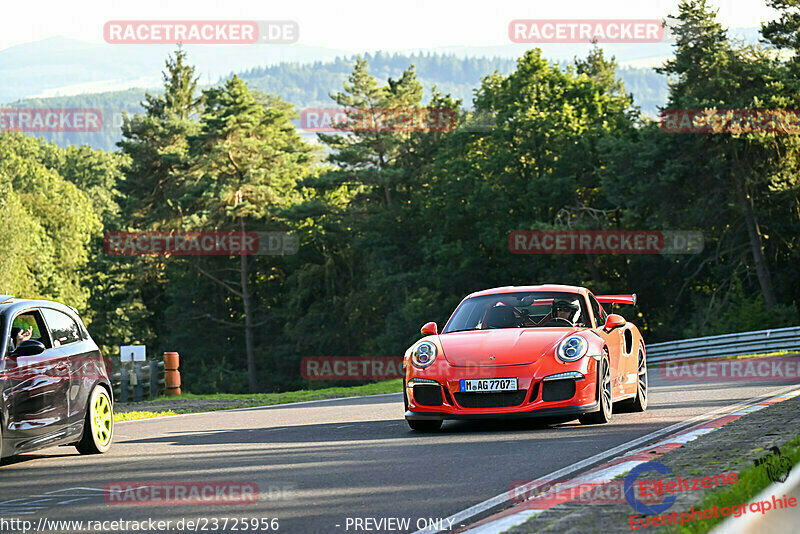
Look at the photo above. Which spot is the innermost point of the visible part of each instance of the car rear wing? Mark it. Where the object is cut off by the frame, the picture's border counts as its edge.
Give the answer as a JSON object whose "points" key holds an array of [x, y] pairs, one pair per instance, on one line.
{"points": [[617, 299]]}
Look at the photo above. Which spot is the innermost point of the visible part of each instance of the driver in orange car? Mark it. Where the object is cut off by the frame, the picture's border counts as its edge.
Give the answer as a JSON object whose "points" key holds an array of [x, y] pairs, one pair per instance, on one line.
{"points": [[562, 309]]}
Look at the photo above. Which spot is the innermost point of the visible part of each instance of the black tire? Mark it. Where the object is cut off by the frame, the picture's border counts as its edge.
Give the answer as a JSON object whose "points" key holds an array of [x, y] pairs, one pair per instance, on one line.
{"points": [[97, 433], [603, 414], [1, 442], [639, 403], [425, 425]]}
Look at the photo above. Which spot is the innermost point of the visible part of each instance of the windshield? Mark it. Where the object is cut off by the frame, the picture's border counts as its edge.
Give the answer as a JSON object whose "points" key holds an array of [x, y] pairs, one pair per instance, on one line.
{"points": [[520, 310]]}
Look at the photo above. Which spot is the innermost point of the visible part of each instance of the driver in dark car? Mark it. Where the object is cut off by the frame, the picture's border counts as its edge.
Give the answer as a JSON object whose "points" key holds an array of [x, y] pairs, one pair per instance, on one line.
{"points": [[18, 335]]}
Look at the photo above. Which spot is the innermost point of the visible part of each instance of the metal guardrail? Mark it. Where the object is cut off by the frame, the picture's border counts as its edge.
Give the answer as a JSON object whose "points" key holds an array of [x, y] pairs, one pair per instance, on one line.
{"points": [[758, 342]]}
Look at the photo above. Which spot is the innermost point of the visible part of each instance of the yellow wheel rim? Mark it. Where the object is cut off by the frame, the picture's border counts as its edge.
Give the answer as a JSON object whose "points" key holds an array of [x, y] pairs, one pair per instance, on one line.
{"points": [[102, 421]]}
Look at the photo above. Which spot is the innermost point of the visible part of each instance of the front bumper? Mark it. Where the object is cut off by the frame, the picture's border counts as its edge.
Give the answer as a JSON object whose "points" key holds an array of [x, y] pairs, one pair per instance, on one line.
{"points": [[536, 412], [437, 393]]}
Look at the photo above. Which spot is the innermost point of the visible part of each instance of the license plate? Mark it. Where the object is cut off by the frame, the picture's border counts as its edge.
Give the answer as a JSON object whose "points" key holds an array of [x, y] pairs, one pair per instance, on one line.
{"points": [[481, 385]]}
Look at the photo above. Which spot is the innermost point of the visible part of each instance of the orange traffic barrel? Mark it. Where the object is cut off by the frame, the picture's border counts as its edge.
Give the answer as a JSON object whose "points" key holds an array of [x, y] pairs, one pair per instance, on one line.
{"points": [[173, 379], [171, 361], [172, 392]]}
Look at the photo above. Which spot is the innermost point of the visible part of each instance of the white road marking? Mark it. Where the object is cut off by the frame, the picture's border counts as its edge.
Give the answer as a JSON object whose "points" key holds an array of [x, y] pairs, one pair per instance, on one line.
{"points": [[17, 511], [687, 437], [750, 409], [608, 474], [74, 500], [34, 503], [98, 490], [501, 525]]}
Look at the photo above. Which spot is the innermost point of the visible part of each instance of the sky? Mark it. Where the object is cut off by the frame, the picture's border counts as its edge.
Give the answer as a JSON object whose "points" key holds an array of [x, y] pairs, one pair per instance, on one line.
{"points": [[349, 24]]}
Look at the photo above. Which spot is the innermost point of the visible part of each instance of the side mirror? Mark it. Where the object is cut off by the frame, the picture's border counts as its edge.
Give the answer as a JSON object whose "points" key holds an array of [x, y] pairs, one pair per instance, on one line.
{"points": [[429, 329], [30, 347], [613, 321]]}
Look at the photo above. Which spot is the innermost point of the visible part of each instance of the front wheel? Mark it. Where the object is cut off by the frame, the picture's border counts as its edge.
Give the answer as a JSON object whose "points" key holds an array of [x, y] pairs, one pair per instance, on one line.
{"points": [[98, 428], [603, 415], [425, 425]]}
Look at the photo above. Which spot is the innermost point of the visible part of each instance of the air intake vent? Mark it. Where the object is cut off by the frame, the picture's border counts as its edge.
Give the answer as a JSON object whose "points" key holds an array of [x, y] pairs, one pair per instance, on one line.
{"points": [[491, 400], [425, 395], [558, 390]]}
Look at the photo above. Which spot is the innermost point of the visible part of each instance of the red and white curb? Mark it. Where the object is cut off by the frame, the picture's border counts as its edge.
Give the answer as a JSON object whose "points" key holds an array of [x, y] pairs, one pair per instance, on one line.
{"points": [[516, 515]]}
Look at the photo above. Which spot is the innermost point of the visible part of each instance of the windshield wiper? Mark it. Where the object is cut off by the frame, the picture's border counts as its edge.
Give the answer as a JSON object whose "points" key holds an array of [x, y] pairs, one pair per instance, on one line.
{"points": [[462, 330]]}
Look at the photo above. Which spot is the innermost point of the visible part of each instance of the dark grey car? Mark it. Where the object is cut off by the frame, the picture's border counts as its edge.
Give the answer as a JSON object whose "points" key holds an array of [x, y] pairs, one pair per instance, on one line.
{"points": [[54, 384]]}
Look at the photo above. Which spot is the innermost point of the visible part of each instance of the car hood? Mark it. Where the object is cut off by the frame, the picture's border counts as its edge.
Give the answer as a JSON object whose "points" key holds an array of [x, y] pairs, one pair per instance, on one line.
{"points": [[507, 346]]}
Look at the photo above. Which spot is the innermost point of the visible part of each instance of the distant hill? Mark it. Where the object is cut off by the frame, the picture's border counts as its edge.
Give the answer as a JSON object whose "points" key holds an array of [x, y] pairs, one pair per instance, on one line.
{"points": [[60, 67], [309, 84]]}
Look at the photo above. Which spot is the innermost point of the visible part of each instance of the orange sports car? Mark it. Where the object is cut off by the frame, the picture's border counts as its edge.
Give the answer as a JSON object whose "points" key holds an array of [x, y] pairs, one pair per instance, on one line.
{"points": [[528, 351]]}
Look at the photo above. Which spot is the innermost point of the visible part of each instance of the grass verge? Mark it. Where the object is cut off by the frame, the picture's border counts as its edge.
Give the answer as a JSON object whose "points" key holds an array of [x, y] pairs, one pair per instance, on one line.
{"points": [[130, 416], [247, 400], [751, 481]]}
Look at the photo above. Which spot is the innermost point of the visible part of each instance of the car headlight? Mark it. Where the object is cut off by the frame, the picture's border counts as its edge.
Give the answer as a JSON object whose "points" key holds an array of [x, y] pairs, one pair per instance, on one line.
{"points": [[572, 349], [423, 355]]}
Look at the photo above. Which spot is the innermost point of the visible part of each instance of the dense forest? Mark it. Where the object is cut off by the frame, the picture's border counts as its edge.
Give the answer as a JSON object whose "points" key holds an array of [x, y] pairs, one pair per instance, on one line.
{"points": [[395, 227], [308, 86]]}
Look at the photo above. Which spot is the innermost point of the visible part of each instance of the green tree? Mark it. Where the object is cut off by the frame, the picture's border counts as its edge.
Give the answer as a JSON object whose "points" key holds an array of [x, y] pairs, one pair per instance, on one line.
{"points": [[361, 221], [155, 147], [49, 224], [731, 186], [245, 162]]}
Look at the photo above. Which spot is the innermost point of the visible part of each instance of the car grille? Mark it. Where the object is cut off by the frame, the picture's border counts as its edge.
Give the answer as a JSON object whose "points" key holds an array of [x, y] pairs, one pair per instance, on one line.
{"points": [[428, 395], [501, 399]]}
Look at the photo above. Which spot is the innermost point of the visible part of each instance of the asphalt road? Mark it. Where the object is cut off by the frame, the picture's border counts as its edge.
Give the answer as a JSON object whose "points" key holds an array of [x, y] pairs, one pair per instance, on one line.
{"points": [[319, 466]]}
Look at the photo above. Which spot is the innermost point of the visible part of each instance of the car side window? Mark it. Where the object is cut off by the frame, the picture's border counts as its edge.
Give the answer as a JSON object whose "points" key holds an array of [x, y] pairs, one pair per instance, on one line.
{"points": [[31, 319], [62, 327], [599, 312]]}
